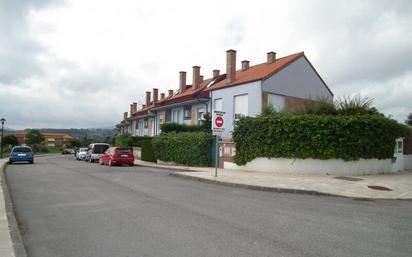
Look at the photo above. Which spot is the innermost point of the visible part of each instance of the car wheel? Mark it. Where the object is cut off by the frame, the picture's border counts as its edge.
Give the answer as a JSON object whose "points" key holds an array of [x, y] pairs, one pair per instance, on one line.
{"points": [[31, 162], [110, 162], [10, 162], [131, 164]]}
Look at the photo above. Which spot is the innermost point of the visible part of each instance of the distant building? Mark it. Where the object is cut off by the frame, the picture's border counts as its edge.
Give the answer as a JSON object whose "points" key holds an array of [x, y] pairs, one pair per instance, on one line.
{"points": [[50, 139]]}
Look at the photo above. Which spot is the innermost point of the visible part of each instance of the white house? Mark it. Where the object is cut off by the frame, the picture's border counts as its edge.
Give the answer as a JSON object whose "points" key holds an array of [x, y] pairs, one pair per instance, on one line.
{"points": [[284, 83]]}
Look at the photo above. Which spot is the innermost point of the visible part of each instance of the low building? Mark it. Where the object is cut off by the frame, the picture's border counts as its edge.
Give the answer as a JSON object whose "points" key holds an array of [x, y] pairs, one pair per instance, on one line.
{"points": [[50, 139]]}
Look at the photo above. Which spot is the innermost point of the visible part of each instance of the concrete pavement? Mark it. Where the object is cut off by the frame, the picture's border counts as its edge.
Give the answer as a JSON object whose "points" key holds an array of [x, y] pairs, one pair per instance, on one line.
{"points": [[400, 184], [6, 246]]}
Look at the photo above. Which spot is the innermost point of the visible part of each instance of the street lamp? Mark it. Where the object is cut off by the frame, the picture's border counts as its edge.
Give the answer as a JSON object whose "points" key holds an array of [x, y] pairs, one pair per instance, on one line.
{"points": [[2, 129]]}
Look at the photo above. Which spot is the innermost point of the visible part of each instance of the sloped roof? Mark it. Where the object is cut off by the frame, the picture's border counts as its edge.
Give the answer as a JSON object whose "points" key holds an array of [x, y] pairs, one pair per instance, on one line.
{"points": [[258, 72]]}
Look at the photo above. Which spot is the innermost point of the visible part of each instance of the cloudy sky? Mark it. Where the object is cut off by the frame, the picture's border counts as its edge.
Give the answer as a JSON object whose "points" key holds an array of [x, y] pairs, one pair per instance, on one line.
{"points": [[80, 63]]}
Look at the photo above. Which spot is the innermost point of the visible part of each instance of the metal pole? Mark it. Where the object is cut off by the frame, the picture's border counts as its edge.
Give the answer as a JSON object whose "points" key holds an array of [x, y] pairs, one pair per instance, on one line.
{"points": [[2, 128], [217, 155]]}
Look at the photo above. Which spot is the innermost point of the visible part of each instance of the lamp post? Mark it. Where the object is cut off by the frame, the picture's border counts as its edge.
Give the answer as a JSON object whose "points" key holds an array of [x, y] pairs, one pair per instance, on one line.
{"points": [[2, 129]]}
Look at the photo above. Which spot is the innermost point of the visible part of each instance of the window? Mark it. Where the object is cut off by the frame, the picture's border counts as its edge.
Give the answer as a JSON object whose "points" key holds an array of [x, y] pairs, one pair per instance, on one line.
{"points": [[240, 106], [277, 101], [200, 114], [176, 115], [187, 112], [51, 139], [219, 104], [145, 123]]}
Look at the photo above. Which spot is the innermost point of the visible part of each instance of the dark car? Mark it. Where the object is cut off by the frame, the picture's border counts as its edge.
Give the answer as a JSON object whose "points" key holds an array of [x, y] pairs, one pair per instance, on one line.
{"points": [[21, 154], [117, 156], [67, 151]]}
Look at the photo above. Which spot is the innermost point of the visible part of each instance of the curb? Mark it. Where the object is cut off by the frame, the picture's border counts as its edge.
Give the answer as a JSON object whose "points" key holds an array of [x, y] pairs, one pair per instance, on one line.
{"points": [[177, 169], [17, 241], [278, 189]]}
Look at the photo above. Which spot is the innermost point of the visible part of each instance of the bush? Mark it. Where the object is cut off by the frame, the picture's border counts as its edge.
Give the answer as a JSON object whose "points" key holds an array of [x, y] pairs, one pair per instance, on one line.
{"points": [[148, 153], [187, 148], [313, 136], [175, 127], [138, 139], [124, 140]]}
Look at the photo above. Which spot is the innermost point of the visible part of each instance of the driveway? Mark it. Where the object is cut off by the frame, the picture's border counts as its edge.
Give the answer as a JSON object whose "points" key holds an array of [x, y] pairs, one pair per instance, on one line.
{"points": [[71, 208]]}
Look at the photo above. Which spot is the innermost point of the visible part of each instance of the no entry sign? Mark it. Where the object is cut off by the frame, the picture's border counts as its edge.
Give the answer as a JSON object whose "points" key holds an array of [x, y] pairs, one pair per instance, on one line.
{"points": [[218, 123]]}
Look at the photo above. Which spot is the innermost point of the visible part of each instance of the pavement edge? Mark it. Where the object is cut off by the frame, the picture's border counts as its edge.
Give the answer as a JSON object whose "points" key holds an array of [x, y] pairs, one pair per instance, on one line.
{"points": [[17, 240]]}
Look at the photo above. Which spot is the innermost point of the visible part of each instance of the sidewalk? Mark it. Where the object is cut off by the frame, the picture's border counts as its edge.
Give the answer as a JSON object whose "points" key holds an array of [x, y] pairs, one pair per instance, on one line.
{"points": [[345, 186], [6, 245]]}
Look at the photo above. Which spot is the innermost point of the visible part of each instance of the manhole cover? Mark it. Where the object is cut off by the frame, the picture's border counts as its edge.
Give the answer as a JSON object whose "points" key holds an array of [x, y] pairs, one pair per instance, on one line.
{"points": [[348, 178], [380, 188]]}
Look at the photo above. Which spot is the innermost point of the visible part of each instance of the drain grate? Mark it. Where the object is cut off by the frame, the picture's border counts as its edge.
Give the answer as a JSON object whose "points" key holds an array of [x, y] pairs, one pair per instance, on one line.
{"points": [[348, 178], [380, 188]]}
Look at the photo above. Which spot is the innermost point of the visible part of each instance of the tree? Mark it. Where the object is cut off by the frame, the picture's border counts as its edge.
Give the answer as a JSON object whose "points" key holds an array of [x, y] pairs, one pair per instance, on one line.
{"points": [[34, 137], [409, 120], [72, 143], [10, 140]]}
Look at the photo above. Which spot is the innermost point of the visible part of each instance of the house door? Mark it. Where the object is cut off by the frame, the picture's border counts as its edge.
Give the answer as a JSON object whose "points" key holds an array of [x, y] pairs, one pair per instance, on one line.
{"points": [[398, 163]]}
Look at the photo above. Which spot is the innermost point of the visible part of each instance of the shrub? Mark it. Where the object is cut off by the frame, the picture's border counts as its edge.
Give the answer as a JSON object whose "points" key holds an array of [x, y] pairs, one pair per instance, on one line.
{"points": [[175, 127], [148, 153], [138, 139], [313, 136], [187, 148], [124, 140]]}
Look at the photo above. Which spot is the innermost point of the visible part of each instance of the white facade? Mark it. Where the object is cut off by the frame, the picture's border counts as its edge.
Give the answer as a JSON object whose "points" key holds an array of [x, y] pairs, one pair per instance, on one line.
{"points": [[250, 101], [298, 79]]}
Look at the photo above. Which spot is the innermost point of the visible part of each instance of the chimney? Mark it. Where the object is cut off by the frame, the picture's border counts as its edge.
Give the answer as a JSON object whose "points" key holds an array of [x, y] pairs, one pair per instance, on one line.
{"points": [[155, 94], [271, 57], [182, 81], [245, 65], [147, 98], [196, 77], [131, 110], [134, 107], [216, 73], [125, 116], [230, 66], [201, 78], [162, 95], [170, 92]]}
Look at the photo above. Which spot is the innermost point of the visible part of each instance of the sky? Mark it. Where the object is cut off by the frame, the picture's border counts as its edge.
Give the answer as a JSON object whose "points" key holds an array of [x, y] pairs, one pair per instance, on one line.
{"points": [[80, 63]]}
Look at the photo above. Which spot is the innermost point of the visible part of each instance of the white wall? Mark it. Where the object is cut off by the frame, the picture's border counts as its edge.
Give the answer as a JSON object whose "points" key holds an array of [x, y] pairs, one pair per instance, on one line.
{"points": [[407, 162], [254, 91], [314, 166], [298, 79]]}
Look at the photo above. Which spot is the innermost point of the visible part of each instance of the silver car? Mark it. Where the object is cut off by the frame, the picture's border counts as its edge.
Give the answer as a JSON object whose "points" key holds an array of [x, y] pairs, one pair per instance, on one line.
{"points": [[81, 154], [94, 151]]}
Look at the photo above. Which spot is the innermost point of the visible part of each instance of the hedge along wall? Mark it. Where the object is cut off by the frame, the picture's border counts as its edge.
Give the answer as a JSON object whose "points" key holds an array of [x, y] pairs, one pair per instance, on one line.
{"points": [[148, 153], [318, 137], [187, 148]]}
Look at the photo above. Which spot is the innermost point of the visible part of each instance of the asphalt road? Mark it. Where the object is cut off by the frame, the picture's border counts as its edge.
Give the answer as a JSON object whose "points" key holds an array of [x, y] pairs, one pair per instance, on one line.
{"points": [[71, 208]]}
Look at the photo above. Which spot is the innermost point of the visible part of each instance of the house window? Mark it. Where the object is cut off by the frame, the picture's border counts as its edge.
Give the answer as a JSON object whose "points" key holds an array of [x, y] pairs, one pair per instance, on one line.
{"points": [[168, 116], [51, 139], [219, 104], [176, 115], [277, 101], [187, 112], [146, 123], [200, 114], [240, 106]]}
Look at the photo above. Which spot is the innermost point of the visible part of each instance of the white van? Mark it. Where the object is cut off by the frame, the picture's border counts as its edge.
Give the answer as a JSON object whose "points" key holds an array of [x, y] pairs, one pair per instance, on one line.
{"points": [[95, 150]]}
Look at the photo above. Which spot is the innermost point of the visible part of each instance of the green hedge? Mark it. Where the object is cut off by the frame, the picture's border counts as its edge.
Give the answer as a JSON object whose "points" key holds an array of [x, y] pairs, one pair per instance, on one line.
{"points": [[187, 148], [313, 136], [148, 153], [138, 139], [127, 140], [175, 127]]}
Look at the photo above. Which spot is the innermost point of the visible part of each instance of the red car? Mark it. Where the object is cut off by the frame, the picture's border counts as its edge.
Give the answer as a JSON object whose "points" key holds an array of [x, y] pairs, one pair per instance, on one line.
{"points": [[117, 156]]}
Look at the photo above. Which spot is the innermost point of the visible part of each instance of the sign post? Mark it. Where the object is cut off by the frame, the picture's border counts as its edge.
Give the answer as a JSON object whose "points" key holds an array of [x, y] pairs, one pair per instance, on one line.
{"points": [[218, 129]]}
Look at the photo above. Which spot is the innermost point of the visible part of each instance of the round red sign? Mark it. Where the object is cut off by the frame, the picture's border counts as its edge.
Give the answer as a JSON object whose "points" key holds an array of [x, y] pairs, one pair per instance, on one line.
{"points": [[219, 121]]}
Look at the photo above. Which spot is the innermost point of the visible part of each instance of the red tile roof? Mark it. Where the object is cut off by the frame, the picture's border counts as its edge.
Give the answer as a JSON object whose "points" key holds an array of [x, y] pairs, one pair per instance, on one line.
{"points": [[258, 72]]}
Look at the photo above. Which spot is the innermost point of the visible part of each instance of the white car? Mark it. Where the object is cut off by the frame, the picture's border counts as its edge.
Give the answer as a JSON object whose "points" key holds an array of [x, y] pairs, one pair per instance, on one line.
{"points": [[81, 154], [94, 152]]}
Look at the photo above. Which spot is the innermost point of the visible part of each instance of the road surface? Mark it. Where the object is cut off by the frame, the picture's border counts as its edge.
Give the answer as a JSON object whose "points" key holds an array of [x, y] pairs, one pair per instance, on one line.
{"points": [[71, 208]]}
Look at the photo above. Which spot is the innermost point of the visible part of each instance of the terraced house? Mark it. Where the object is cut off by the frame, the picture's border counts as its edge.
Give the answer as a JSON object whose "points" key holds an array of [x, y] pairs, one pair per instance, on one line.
{"points": [[285, 83]]}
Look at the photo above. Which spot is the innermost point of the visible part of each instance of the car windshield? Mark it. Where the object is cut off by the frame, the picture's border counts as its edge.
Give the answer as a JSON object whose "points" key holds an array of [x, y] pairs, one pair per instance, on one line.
{"points": [[123, 150], [21, 150], [83, 150], [100, 148]]}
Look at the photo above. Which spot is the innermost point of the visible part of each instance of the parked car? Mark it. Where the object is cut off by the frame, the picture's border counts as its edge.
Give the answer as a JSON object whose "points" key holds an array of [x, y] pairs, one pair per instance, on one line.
{"points": [[94, 151], [81, 154], [67, 151], [21, 154], [117, 156]]}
